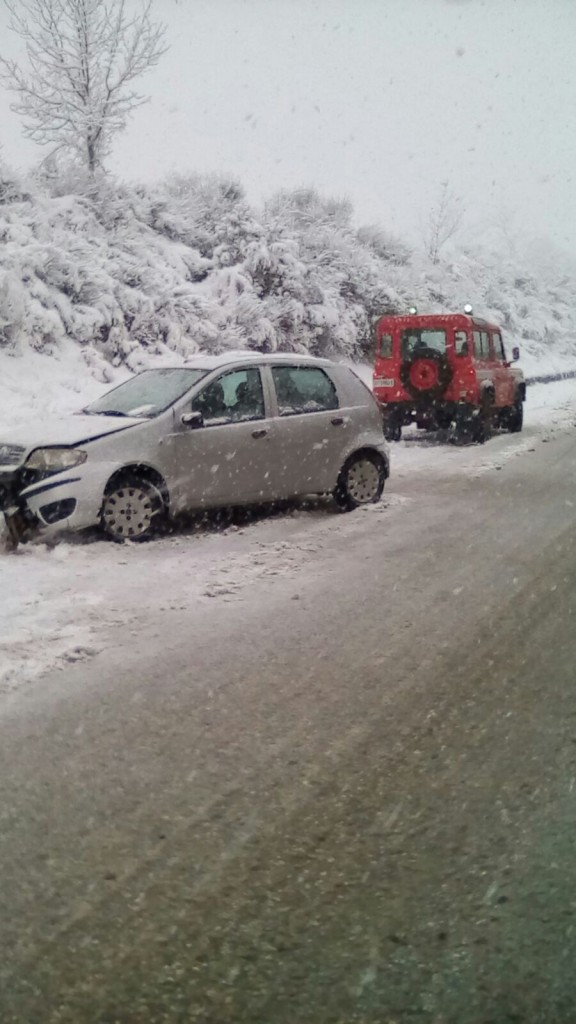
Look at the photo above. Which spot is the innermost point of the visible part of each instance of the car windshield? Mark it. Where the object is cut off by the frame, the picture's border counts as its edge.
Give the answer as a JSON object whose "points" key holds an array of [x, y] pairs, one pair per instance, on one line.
{"points": [[147, 394]]}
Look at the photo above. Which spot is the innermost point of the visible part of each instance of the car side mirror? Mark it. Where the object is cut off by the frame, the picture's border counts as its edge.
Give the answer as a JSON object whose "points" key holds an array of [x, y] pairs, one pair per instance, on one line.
{"points": [[515, 354], [193, 420]]}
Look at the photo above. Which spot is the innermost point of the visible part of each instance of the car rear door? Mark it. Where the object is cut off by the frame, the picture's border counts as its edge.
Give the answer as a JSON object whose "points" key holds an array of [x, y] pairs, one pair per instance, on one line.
{"points": [[311, 429]]}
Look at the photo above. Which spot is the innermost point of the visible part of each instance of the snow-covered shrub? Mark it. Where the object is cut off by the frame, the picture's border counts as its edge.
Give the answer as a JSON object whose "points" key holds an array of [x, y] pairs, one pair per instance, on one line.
{"points": [[129, 273]]}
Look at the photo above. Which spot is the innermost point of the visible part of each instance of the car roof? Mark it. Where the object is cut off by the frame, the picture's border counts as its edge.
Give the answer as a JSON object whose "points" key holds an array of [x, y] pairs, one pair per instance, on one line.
{"points": [[246, 355]]}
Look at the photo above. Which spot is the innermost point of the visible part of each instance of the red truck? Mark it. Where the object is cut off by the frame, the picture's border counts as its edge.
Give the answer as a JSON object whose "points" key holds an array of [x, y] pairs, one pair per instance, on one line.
{"points": [[446, 371]]}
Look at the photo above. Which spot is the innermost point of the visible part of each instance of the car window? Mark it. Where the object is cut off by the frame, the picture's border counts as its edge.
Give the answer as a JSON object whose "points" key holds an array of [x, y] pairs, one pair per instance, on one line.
{"points": [[303, 389], [498, 346], [461, 347], [415, 340], [481, 345], [233, 397]]}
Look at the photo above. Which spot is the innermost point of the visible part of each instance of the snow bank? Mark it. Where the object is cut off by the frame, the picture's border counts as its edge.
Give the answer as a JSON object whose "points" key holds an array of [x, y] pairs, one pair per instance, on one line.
{"points": [[37, 385]]}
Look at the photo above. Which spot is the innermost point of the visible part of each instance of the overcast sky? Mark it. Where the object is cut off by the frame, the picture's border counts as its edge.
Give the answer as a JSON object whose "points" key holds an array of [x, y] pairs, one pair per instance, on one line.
{"points": [[378, 100]]}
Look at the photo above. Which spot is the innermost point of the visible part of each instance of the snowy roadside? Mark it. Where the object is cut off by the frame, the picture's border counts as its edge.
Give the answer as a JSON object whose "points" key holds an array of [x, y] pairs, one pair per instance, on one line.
{"points": [[60, 605], [549, 408]]}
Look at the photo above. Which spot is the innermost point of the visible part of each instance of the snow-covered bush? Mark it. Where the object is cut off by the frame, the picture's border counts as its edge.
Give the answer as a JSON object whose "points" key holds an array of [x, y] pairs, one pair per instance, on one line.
{"points": [[131, 272]]}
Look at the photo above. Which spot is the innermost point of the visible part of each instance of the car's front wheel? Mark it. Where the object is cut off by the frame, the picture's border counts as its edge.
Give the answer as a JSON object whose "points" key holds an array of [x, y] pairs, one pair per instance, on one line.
{"points": [[133, 509], [361, 481]]}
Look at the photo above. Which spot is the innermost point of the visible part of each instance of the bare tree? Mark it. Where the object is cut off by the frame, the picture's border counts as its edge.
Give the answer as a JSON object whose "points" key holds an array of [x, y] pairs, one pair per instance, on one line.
{"points": [[83, 57], [443, 222], [507, 231]]}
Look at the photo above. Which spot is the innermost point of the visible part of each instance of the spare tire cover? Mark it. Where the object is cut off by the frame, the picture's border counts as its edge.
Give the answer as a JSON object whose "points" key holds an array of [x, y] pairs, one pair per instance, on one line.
{"points": [[427, 376]]}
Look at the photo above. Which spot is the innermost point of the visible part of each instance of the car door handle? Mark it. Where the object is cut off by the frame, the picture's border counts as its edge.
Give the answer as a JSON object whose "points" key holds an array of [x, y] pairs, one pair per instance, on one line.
{"points": [[259, 433], [337, 421]]}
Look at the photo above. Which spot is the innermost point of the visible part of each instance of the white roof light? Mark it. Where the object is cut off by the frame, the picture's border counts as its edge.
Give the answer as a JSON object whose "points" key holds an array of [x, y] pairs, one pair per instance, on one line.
{"points": [[413, 310], [468, 308]]}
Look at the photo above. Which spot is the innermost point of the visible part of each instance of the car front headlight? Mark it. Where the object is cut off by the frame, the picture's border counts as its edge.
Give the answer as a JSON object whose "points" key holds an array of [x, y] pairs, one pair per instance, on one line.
{"points": [[52, 460]]}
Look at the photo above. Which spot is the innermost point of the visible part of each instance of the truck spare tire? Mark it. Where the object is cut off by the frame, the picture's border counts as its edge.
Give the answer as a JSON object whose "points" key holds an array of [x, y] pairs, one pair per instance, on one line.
{"points": [[426, 376]]}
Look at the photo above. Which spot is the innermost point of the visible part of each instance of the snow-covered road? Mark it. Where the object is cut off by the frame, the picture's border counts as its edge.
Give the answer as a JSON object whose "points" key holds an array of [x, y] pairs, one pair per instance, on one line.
{"points": [[68, 603]]}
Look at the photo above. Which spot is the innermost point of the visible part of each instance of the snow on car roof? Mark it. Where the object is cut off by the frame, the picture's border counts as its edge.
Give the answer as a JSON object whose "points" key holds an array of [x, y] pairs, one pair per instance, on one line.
{"points": [[228, 358]]}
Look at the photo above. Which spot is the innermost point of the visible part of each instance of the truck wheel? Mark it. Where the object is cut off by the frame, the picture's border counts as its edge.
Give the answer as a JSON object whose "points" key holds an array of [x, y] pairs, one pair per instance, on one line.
{"points": [[393, 429], [483, 421], [473, 425], [463, 432], [443, 419], [515, 418]]}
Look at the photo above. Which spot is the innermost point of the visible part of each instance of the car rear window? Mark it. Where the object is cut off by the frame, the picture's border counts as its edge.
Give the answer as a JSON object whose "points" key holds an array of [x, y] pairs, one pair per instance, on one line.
{"points": [[303, 389]]}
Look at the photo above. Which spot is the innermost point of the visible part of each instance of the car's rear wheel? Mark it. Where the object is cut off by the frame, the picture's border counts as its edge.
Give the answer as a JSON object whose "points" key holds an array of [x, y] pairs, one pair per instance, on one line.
{"points": [[361, 481], [133, 509]]}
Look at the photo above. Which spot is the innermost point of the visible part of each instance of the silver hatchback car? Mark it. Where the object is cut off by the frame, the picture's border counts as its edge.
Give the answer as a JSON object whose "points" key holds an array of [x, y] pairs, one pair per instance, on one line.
{"points": [[238, 429]]}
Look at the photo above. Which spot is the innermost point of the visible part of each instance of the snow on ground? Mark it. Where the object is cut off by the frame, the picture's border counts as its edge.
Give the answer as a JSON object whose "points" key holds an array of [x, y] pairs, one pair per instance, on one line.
{"points": [[59, 605], [63, 600], [549, 408]]}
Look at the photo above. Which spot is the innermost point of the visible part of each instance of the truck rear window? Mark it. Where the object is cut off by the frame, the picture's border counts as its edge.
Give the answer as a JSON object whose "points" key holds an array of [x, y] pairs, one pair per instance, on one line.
{"points": [[416, 340]]}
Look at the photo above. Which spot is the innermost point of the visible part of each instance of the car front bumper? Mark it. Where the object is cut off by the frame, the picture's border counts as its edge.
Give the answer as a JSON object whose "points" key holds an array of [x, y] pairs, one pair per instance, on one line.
{"points": [[68, 500]]}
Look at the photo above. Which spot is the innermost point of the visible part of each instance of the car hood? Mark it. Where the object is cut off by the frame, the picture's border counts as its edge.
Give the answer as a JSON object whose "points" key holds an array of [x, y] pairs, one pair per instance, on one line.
{"points": [[67, 430]]}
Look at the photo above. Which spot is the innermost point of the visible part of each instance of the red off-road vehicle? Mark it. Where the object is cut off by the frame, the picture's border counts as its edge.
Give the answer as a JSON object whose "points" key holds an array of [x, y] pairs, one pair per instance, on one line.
{"points": [[446, 372]]}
